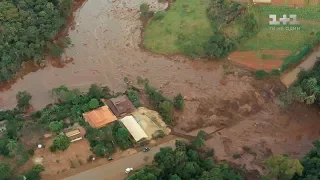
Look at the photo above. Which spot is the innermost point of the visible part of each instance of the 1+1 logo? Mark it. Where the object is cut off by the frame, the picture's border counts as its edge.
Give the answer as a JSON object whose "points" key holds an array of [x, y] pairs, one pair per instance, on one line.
{"points": [[292, 20]]}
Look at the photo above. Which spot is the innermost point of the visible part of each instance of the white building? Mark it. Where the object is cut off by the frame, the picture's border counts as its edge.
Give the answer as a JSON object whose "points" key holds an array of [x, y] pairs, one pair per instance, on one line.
{"points": [[134, 128]]}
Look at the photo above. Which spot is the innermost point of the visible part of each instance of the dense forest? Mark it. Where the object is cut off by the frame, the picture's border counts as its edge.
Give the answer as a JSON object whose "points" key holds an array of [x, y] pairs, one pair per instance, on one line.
{"points": [[26, 27]]}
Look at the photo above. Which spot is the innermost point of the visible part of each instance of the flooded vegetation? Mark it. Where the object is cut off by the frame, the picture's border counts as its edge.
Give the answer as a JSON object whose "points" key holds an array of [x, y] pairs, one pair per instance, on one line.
{"points": [[220, 97]]}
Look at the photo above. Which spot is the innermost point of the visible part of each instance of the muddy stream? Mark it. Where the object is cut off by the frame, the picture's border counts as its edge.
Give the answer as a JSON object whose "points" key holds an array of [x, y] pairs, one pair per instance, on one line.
{"points": [[105, 49]]}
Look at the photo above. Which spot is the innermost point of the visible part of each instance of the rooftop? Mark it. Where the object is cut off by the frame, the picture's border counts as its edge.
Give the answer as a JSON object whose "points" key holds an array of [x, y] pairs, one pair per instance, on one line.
{"points": [[99, 117], [121, 105]]}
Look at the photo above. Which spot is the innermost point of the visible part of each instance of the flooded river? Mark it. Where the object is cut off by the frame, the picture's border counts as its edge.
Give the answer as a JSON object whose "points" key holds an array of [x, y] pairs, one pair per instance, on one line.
{"points": [[105, 49]]}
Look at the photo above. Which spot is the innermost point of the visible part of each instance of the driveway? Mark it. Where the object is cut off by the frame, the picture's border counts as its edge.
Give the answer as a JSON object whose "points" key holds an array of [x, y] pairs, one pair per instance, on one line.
{"points": [[115, 170]]}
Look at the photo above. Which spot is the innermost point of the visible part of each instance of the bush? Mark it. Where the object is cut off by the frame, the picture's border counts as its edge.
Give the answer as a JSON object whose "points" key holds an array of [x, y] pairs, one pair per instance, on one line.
{"points": [[94, 103], [144, 10], [53, 148], [61, 142], [23, 99], [34, 172], [236, 156], [95, 91], [55, 126], [296, 58], [159, 15], [4, 171], [274, 72], [133, 97], [158, 134], [31, 152], [261, 74], [178, 102], [166, 111]]}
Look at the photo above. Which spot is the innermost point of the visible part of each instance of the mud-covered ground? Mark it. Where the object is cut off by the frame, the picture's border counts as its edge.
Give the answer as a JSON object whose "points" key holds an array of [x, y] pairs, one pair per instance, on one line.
{"points": [[106, 37]]}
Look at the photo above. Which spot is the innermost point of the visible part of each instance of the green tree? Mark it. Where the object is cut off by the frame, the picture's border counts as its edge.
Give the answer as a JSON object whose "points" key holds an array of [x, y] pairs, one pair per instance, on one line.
{"points": [[12, 147], [61, 142], [122, 137], [144, 11], [94, 103], [175, 177], [283, 167], [133, 97], [95, 91], [5, 171], [178, 102], [34, 172], [198, 142], [166, 111], [23, 99], [142, 175], [55, 126]]}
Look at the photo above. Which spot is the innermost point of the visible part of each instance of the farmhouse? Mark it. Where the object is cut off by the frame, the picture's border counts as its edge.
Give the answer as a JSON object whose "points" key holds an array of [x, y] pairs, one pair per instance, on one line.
{"points": [[120, 106], [134, 128], [99, 117]]}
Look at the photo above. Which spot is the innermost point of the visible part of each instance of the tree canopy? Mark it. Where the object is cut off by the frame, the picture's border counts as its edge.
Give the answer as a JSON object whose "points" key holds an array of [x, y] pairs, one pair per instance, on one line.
{"points": [[26, 28], [61, 142], [184, 163], [4, 171]]}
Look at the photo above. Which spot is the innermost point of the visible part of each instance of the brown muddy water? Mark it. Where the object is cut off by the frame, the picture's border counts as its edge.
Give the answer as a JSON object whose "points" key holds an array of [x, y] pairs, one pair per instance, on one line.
{"points": [[105, 49], [106, 36]]}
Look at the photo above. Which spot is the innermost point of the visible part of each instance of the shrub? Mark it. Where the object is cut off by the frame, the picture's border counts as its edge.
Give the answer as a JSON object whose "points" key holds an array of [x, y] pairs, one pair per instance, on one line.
{"points": [[144, 10], [61, 142], [23, 99], [166, 111], [159, 15], [4, 171], [31, 152], [34, 172], [158, 134], [261, 74], [95, 91], [274, 72], [236, 156], [133, 97], [55, 126], [178, 102], [94, 103], [53, 148]]}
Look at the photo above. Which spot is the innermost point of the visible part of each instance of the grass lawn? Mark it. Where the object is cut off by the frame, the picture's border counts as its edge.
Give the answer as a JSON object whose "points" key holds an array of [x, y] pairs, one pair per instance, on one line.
{"points": [[185, 25], [267, 38]]}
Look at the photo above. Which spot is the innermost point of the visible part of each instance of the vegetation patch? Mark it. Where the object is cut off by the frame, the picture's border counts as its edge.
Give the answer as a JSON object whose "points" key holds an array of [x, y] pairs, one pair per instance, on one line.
{"points": [[26, 29], [184, 26], [204, 28]]}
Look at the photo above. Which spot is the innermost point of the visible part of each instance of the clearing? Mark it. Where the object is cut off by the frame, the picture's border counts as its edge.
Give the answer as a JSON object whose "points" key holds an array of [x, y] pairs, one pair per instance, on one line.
{"points": [[185, 24]]}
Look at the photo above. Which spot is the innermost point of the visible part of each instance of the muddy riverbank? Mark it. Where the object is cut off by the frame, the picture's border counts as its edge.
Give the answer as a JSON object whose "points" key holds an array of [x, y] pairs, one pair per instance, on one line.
{"points": [[105, 49]]}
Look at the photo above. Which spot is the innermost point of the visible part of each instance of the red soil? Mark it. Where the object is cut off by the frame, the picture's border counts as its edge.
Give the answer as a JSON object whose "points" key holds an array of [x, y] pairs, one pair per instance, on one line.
{"points": [[251, 59], [298, 3]]}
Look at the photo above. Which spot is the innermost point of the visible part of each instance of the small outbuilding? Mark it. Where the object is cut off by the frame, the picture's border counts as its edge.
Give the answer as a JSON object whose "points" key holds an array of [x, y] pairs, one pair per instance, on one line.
{"points": [[263, 1], [120, 106], [134, 128], [99, 117], [73, 134]]}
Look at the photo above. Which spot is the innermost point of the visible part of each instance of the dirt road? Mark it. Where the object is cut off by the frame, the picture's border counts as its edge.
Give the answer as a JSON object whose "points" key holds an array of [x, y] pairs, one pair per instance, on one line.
{"points": [[307, 64], [115, 170]]}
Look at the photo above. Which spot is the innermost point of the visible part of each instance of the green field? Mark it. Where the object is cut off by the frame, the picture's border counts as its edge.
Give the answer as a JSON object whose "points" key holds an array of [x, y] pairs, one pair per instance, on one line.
{"points": [[185, 25], [270, 39]]}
